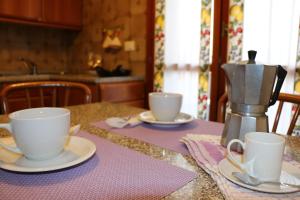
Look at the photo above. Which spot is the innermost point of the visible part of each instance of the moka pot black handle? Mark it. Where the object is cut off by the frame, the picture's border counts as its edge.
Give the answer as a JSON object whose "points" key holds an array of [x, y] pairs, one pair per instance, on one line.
{"points": [[281, 74]]}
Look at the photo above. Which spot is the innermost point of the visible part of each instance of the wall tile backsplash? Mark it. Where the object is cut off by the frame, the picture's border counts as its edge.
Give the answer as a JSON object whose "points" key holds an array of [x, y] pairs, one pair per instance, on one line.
{"points": [[57, 50], [46, 47]]}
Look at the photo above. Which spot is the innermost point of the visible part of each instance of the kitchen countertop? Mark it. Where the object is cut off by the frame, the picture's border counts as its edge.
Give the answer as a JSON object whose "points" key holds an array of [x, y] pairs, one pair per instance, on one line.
{"points": [[68, 77]]}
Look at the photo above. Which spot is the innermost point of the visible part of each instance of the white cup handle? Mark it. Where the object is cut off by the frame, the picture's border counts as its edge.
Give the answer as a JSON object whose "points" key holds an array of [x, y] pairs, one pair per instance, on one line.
{"points": [[7, 126], [231, 157]]}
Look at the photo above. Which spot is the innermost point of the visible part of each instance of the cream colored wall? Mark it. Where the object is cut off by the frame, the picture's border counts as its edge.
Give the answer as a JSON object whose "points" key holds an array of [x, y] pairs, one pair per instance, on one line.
{"points": [[129, 16]]}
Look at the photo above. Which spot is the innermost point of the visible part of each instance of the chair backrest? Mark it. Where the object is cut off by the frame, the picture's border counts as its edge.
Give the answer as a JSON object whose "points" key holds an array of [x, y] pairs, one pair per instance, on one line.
{"points": [[290, 98], [18, 96], [222, 105], [282, 98]]}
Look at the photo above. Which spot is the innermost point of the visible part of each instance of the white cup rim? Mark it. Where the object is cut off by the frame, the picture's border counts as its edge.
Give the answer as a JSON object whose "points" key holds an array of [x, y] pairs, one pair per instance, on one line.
{"points": [[64, 112], [280, 139], [165, 94]]}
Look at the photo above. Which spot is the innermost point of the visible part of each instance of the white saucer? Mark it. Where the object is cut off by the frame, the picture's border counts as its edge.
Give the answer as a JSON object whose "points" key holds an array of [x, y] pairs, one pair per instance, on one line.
{"points": [[182, 118], [77, 150], [226, 168]]}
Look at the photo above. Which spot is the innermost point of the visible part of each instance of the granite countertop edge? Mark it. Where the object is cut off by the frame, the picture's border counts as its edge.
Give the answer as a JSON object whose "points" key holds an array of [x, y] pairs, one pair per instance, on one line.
{"points": [[69, 77]]}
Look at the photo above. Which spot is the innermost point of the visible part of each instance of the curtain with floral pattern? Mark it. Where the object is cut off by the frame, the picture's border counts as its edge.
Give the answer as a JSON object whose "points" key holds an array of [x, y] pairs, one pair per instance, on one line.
{"points": [[204, 57], [297, 81], [159, 45], [235, 48], [235, 31], [297, 75]]}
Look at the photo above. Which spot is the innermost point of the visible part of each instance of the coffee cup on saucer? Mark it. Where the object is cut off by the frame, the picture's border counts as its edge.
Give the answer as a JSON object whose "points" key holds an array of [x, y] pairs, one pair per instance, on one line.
{"points": [[165, 106], [39, 133], [263, 155]]}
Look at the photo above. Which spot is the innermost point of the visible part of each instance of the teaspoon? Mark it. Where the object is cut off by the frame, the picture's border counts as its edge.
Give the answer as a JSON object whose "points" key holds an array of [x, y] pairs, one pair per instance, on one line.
{"points": [[250, 180]]}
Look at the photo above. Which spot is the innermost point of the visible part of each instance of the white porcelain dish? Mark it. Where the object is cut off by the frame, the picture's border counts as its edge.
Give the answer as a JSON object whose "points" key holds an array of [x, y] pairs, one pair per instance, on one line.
{"points": [[182, 118], [76, 151], [226, 168]]}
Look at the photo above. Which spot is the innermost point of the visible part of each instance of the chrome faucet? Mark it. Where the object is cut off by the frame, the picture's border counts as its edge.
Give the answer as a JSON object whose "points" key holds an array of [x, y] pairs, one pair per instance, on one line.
{"points": [[30, 65]]}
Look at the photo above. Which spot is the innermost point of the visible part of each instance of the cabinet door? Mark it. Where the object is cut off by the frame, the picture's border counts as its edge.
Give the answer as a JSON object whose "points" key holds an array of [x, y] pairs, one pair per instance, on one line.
{"points": [[21, 9], [64, 12], [130, 93]]}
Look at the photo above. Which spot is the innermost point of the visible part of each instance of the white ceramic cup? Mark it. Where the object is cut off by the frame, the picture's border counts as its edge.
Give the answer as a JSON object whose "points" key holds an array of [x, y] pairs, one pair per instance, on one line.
{"points": [[165, 106], [263, 154], [39, 133]]}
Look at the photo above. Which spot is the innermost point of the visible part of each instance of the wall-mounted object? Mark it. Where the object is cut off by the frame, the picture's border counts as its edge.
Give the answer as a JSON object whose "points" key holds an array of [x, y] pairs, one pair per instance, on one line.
{"points": [[112, 42], [129, 45], [94, 60], [118, 71]]}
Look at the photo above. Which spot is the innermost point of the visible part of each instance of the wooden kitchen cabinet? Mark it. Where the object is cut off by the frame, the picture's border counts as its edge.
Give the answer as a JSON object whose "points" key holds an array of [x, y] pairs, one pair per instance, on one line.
{"points": [[129, 93], [64, 12], [21, 9], [53, 13]]}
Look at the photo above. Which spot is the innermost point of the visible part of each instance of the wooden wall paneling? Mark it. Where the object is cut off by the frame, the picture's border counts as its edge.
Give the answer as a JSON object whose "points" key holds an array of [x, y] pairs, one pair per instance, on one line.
{"points": [[150, 49], [219, 55]]}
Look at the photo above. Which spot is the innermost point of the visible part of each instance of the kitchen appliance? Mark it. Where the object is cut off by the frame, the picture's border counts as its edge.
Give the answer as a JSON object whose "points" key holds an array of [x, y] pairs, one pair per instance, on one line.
{"points": [[250, 93], [118, 71]]}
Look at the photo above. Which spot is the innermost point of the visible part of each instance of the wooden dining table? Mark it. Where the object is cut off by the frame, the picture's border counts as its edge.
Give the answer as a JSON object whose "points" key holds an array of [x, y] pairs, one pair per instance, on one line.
{"points": [[202, 187]]}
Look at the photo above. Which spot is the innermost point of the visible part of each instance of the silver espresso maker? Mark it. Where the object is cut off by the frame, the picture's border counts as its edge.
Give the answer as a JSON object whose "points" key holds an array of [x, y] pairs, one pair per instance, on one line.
{"points": [[251, 91]]}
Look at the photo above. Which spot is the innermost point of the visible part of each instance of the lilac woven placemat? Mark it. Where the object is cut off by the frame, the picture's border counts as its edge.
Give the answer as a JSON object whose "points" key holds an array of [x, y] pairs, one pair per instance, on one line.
{"points": [[166, 137], [114, 172]]}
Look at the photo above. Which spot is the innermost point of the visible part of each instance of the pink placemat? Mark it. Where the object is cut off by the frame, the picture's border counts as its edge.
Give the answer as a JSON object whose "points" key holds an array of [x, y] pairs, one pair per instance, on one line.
{"points": [[208, 152], [114, 172], [166, 137]]}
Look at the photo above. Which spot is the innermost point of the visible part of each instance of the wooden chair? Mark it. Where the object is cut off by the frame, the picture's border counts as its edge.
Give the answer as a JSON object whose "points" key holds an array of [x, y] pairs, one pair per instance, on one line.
{"points": [[43, 93], [222, 104], [282, 98]]}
